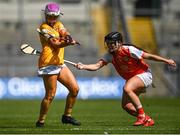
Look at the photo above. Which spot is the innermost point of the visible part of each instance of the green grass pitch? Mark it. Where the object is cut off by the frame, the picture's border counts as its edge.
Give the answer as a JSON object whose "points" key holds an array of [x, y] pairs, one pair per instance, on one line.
{"points": [[97, 117]]}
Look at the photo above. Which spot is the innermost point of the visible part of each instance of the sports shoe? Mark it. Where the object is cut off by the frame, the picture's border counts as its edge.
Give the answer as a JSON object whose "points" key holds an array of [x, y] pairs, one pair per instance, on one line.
{"points": [[149, 121], [140, 121], [39, 124], [70, 120]]}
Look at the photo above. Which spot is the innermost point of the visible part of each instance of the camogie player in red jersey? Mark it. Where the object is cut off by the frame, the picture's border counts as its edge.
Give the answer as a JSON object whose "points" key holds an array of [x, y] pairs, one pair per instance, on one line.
{"points": [[128, 62]]}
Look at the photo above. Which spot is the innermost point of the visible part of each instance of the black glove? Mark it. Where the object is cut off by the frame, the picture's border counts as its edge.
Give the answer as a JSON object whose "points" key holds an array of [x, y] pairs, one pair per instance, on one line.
{"points": [[68, 39]]}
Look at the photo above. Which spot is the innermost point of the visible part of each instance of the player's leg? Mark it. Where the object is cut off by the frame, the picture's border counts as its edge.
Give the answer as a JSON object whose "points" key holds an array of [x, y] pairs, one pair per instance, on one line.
{"points": [[68, 80], [50, 83], [132, 87], [128, 106]]}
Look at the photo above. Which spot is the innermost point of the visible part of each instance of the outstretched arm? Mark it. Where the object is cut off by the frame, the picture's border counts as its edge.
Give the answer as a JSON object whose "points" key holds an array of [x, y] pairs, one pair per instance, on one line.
{"points": [[149, 56], [90, 67]]}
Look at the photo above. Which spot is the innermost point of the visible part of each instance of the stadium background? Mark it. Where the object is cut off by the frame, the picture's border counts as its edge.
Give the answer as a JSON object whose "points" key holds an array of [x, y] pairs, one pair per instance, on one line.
{"points": [[151, 24]]}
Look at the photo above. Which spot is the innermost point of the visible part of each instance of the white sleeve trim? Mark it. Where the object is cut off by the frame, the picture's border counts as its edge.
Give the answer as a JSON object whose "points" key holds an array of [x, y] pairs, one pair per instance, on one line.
{"points": [[135, 53]]}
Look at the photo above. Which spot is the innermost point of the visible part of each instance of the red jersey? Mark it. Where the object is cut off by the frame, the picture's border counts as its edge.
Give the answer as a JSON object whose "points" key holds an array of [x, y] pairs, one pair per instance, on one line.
{"points": [[127, 61]]}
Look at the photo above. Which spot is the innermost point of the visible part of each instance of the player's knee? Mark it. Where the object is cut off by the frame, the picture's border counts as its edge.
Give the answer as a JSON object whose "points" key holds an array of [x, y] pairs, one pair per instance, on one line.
{"points": [[75, 91], [127, 106], [127, 89], [130, 109], [123, 106], [49, 98]]}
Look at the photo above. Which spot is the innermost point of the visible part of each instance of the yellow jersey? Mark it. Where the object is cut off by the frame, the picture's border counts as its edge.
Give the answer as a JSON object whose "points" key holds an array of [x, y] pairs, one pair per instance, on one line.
{"points": [[49, 54]]}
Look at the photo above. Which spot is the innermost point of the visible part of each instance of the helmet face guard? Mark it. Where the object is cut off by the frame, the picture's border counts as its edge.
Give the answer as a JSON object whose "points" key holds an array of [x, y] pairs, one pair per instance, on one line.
{"points": [[52, 9]]}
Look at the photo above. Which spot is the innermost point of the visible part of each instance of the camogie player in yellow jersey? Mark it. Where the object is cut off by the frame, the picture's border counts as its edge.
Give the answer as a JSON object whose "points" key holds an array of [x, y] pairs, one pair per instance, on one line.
{"points": [[52, 67]]}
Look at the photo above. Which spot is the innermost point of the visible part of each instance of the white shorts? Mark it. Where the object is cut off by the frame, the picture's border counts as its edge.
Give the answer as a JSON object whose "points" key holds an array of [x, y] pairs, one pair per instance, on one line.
{"points": [[146, 78], [50, 70]]}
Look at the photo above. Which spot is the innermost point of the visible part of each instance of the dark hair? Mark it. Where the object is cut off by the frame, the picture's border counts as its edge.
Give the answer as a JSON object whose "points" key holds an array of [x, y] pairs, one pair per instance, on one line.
{"points": [[113, 36]]}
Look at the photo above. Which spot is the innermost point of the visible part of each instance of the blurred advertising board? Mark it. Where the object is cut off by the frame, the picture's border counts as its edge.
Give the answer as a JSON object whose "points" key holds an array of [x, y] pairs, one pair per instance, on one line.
{"points": [[33, 87]]}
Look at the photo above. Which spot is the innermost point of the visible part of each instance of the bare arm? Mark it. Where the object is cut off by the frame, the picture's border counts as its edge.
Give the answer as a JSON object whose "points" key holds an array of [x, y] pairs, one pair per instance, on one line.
{"points": [[159, 58], [59, 43], [90, 67]]}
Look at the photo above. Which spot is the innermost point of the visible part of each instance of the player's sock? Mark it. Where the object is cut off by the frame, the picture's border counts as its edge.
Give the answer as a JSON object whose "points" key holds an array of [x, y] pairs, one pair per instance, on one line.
{"points": [[68, 111], [140, 111], [141, 116], [42, 118]]}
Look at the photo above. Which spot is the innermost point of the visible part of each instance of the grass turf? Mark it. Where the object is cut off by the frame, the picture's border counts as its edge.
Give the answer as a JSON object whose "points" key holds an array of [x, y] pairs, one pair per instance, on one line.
{"points": [[97, 117]]}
